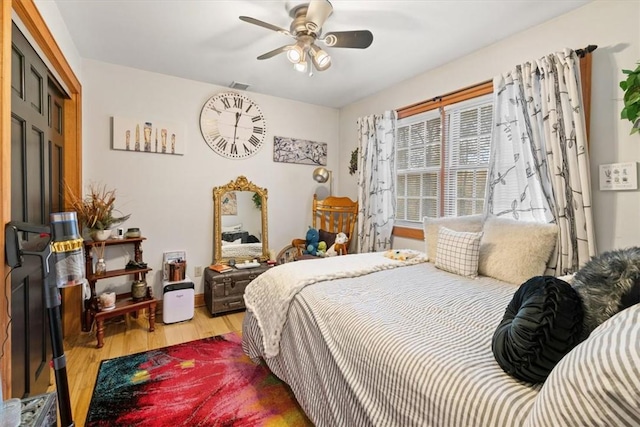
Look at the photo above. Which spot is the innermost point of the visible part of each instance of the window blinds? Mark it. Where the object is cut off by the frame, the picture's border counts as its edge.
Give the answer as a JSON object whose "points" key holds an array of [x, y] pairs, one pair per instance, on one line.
{"points": [[468, 140], [456, 156], [419, 153]]}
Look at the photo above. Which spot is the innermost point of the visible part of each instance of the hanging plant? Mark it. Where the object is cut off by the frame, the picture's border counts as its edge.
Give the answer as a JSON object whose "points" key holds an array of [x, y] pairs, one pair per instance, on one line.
{"points": [[353, 163], [257, 200], [631, 88]]}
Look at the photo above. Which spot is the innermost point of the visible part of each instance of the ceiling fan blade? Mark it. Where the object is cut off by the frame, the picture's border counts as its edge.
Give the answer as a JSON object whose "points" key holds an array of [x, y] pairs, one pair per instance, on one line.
{"points": [[317, 13], [265, 25], [360, 39], [274, 52]]}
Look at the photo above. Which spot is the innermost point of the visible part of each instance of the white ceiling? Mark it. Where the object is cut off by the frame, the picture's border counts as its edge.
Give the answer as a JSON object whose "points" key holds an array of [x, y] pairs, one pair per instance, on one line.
{"points": [[204, 40]]}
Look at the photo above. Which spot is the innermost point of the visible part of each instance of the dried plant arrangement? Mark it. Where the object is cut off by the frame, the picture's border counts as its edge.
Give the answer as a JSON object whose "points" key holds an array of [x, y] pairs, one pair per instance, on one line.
{"points": [[96, 210]]}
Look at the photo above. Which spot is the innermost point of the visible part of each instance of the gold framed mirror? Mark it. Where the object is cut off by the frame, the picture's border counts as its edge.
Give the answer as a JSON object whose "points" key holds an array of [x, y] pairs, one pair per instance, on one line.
{"points": [[240, 222]]}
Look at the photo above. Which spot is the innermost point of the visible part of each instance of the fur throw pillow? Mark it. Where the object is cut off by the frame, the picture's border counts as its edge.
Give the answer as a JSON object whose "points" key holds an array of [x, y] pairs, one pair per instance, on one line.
{"points": [[607, 284], [515, 251]]}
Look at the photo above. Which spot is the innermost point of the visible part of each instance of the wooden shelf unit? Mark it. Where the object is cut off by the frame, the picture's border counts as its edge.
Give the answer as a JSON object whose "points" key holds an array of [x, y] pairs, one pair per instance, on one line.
{"points": [[124, 303]]}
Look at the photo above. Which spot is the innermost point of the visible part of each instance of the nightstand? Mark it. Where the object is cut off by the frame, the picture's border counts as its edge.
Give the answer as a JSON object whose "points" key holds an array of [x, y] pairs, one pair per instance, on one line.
{"points": [[224, 292]]}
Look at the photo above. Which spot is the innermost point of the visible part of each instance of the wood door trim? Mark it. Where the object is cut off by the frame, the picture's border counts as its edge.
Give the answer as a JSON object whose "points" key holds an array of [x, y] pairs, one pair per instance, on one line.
{"points": [[28, 13], [5, 179]]}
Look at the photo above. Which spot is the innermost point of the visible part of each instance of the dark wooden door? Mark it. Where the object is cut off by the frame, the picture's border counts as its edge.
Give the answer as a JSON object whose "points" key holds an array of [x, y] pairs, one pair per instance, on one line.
{"points": [[36, 177]]}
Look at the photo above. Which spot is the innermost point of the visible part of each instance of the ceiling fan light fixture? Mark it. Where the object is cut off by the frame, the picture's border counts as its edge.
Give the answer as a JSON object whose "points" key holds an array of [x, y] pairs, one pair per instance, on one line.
{"points": [[295, 54], [300, 66], [307, 29], [321, 59]]}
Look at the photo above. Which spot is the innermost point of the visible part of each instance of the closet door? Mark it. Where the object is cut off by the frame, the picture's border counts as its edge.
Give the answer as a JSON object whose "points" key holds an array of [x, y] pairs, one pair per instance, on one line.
{"points": [[35, 191]]}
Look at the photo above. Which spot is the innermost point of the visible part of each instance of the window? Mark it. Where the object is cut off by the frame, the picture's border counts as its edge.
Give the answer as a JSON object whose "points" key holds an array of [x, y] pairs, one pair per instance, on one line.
{"points": [[442, 159]]}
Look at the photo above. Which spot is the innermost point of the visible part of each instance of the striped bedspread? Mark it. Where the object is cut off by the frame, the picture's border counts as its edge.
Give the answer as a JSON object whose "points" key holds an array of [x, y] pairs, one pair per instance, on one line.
{"points": [[269, 295], [403, 347]]}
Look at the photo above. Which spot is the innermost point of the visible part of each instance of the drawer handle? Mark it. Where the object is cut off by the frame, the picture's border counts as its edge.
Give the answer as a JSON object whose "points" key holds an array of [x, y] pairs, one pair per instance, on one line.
{"points": [[234, 303]]}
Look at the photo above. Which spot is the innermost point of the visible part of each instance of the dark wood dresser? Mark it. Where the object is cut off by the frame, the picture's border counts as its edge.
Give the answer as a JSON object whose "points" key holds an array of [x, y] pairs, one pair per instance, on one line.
{"points": [[224, 292]]}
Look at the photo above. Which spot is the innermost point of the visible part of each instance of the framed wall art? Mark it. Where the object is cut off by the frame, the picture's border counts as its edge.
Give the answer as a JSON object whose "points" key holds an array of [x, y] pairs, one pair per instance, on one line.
{"points": [[148, 136], [619, 176], [291, 150], [229, 204]]}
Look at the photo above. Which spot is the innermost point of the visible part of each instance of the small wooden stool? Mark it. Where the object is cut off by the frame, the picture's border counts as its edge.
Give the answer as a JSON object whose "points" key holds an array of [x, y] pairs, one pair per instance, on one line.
{"points": [[124, 307]]}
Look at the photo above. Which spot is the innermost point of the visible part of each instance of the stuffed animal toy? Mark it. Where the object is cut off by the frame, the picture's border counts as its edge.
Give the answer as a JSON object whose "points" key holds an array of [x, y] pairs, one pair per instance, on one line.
{"points": [[341, 239], [312, 240], [322, 249], [401, 254]]}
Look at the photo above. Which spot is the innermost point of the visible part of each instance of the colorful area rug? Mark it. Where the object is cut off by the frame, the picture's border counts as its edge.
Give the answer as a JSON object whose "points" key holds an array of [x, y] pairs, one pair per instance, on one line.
{"points": [[208, 382]]}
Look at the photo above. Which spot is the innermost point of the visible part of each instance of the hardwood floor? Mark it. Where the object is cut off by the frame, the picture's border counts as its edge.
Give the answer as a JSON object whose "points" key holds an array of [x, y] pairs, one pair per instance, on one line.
{"points": [[128, 336]]}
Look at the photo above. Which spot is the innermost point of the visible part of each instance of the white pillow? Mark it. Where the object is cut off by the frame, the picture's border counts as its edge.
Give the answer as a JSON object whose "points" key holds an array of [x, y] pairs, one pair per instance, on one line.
{"points": [[457, 252], [598, 382], [232, 228], [515, 251], [235, 242], [431, 226]]}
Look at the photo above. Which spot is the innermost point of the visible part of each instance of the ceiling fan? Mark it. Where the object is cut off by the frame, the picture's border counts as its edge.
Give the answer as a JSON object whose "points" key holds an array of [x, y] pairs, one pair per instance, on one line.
{"points": [[306, 29]]}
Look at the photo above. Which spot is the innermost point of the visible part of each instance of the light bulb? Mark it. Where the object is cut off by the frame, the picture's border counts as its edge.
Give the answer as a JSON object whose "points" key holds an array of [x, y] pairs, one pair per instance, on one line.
{"points": [[323, 59], [294, 54], [300, 66]]}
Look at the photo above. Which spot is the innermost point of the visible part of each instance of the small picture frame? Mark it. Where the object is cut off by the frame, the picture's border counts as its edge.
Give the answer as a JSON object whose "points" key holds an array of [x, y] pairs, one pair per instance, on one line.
{"points": [[619, 176]]}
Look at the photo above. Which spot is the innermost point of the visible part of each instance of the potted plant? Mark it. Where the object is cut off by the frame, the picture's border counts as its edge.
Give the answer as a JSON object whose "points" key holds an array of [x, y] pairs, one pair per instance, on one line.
{"points": [[96, 211], [631, 88]]}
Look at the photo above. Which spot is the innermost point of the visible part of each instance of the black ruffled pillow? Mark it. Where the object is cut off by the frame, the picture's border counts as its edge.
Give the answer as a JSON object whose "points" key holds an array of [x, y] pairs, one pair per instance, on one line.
{"points": [[541, 324]]}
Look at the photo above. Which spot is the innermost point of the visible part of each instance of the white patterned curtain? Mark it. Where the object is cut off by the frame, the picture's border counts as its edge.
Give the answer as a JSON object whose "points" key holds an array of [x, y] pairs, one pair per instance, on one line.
{"points": [[539, 162], [376, 181]]}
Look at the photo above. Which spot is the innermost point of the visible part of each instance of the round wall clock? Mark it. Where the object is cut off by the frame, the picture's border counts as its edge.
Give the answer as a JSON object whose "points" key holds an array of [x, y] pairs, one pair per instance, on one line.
{"points": [[233, 125]]}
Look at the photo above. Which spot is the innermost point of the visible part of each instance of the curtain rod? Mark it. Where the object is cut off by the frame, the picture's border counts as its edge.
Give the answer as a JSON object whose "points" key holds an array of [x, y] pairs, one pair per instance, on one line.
{"points": [[588, 49]]}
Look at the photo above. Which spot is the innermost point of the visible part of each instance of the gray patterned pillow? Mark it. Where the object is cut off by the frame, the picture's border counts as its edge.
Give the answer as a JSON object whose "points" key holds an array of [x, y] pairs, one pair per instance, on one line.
{"points": [[597, 383], [458, 251], [431, 227]]}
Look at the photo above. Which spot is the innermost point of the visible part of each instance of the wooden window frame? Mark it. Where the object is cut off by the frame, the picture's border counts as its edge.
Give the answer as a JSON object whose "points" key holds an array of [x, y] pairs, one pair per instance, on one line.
{"points": [[439, 103]]}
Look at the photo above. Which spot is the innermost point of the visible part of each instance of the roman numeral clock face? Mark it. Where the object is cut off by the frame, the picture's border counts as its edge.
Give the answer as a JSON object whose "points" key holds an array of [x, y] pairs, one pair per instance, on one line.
{"points": [[233, 125]]}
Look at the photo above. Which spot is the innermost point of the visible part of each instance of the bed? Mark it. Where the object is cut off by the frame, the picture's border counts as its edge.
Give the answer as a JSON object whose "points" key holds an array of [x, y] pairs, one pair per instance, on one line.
{"points": [[239, 250], [409, 344]]}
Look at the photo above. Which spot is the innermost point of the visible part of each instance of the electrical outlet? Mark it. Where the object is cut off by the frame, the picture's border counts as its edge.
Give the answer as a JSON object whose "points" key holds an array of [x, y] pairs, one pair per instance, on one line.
{"points": [[197, 271]]}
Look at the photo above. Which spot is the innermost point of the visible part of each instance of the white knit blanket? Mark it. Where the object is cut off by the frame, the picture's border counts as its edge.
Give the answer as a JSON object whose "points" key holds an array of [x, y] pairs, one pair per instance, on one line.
{"points": [[269, 295]]}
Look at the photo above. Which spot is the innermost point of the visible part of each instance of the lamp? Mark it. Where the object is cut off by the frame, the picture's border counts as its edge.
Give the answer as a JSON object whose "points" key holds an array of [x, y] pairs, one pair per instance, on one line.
{"points": [[305, 51], [323, 175], [321, 59], [60, 250], [295, 53], [300, 66]]}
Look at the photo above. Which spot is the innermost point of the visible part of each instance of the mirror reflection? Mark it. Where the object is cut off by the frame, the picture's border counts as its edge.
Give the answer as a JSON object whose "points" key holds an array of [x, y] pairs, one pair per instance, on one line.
{"points": [[240, 215]]}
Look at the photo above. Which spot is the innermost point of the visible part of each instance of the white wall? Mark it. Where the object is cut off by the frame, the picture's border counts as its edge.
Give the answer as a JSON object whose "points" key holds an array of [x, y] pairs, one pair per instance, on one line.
{"points": [[613, 26], [170, 197], [51, 14]]}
